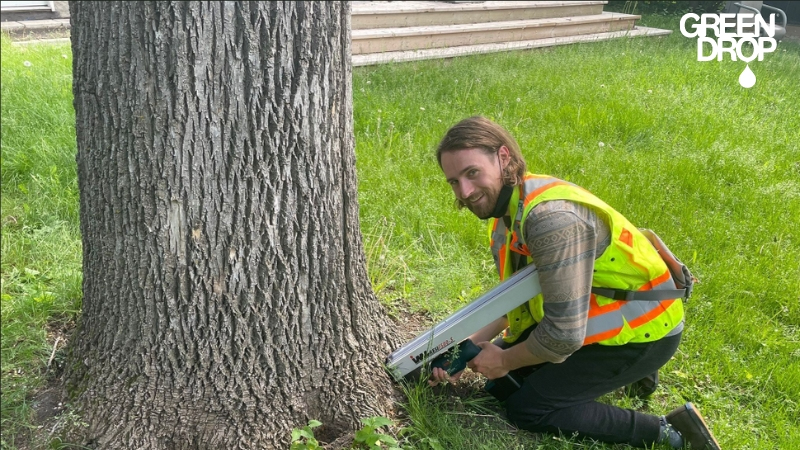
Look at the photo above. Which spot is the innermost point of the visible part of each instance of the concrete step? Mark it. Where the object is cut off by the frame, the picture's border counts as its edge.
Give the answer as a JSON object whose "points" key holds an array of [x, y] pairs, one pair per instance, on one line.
{"points": [[32, 29], [451, 52], [439, 36], [366, 15]]}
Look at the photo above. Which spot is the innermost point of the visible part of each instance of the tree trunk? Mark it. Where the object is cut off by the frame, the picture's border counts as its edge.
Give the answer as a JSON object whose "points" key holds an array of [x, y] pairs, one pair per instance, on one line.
{"points": [[226, 299]]}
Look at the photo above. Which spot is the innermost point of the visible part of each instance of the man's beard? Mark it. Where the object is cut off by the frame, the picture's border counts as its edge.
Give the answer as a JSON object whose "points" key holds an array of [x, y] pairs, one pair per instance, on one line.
{"points": [[487, 201], [492, 203]]}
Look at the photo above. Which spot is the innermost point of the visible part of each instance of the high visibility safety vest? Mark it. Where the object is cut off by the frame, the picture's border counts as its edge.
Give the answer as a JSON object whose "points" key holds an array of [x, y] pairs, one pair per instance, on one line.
{"points": [[630, 263]]}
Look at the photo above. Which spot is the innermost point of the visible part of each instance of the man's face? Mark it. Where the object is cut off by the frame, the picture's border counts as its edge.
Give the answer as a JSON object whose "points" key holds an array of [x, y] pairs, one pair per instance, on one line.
{"points": [[475, 177]]}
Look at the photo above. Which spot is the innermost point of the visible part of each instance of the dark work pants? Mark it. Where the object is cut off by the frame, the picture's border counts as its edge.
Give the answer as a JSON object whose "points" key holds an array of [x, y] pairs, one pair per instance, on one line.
{"points": [[561, 397]]}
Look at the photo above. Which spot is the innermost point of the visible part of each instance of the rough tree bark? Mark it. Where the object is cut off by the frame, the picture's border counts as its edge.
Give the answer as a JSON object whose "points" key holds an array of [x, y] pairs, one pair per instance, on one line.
{"points": [[225, 290]]}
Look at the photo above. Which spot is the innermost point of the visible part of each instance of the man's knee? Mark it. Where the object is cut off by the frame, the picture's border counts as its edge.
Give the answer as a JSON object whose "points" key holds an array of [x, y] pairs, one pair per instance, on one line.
{"points": [[524, 415]]}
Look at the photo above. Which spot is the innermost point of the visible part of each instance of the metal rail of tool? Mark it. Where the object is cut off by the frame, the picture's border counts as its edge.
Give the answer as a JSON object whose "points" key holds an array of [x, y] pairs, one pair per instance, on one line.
{"points": [[512, 292]]}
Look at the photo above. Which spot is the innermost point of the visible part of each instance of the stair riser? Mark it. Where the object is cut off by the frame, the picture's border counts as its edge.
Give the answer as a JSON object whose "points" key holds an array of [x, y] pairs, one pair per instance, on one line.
{"points": [[369, 21], [418, 55], [388, 44]]}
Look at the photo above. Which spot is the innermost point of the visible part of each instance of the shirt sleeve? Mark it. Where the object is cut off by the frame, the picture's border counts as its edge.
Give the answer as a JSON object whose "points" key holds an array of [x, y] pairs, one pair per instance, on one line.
{"points": [[562, 239]]}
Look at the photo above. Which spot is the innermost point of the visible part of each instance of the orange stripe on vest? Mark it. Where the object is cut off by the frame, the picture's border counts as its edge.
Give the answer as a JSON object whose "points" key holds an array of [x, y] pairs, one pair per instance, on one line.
{"points": [[533, 194], [601, 336]]}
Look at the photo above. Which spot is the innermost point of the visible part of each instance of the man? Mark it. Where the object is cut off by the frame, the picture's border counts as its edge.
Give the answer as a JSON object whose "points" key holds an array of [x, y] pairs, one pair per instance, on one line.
{"points": [[575, 344]]}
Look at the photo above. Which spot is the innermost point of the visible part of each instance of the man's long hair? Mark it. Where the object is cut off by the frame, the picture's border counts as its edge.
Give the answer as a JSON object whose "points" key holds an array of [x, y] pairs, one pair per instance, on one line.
{"points": [[481, 133]]}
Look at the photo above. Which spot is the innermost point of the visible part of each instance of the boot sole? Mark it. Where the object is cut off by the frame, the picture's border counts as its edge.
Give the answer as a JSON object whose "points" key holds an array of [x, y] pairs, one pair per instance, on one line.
{"points": [[698, 420]]}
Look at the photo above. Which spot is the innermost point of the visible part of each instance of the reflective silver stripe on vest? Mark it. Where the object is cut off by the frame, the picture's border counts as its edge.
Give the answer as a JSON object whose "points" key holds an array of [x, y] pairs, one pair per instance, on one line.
{"points": [[602, 323], [630, 311], [498, 237], [635, 309]]}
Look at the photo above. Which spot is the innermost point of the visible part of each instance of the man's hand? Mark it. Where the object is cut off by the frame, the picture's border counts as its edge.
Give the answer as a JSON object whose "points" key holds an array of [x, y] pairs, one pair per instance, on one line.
{"points": [[488, 332], [440, 375], [490, 361]]}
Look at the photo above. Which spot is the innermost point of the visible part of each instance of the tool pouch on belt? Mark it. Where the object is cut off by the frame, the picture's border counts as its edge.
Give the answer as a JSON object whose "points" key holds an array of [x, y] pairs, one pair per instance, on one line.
{"points": [[680, 273]]}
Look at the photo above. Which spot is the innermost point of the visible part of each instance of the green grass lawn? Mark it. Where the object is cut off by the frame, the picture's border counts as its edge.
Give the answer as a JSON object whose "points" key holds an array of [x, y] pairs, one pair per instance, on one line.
{"points": [[675, 145]]}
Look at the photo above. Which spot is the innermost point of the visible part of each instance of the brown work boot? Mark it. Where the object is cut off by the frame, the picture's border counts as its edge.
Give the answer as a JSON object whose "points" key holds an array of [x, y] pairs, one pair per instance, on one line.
{"points": [[690, 424]]}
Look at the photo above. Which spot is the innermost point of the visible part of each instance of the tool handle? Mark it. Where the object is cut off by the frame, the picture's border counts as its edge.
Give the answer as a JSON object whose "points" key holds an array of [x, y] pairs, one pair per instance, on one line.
{"points": [[455, 360]]}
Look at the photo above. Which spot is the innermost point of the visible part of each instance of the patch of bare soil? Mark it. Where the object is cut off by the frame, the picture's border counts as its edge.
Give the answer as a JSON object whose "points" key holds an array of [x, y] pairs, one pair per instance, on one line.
{"points": [[342, 442], [409, 325], [48, 402]]}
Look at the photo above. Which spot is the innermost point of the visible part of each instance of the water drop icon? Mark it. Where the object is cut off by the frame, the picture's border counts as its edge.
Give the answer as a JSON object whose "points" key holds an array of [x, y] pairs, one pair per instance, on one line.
{"points": [[747, 79]]}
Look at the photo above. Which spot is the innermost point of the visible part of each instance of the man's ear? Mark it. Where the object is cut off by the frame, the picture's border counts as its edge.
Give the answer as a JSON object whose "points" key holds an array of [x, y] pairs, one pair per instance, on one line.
{"points": [[505, 156]]}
